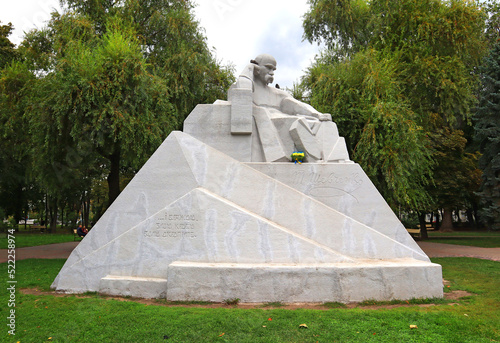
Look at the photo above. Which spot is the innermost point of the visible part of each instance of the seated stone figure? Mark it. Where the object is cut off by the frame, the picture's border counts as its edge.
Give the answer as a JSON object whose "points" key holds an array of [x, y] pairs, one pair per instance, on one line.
{"points": [[285, 124], [266, 124]]}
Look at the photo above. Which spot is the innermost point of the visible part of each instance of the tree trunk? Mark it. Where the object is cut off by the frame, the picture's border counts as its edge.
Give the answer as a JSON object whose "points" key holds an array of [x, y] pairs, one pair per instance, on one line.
{"points": [[86, 208], [423, 227], [438, 220], [447, 224], [75, 224], [46, 199], [114, 175], [25, 220], [62, 216], [475, 210], [52, 202], [470, 218], [457, 213]]}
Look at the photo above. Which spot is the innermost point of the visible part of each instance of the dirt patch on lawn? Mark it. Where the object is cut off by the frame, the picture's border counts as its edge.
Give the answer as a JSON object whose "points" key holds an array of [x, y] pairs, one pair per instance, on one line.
{"points": [[451, 296], [456, 295]]}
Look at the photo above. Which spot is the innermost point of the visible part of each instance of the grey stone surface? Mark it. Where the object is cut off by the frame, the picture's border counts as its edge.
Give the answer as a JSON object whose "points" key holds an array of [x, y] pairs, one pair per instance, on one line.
{"points": [[212, 125], [305, 140], [278, 123], [341, 282], [241, 111], [219, 212], [131, 286], [344, 187], [212, 209]]}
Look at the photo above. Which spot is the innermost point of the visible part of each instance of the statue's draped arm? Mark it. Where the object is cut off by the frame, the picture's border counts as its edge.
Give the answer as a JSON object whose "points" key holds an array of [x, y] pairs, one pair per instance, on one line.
{"points": [[292, 106]]}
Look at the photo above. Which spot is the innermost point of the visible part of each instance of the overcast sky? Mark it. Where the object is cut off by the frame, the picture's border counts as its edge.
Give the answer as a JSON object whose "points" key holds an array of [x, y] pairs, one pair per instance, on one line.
{"points": [[238, 30]]}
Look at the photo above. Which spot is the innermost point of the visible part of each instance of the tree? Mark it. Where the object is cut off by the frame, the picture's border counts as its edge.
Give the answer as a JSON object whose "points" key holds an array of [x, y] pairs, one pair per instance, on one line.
{"points": [[396, 71], [492, 8], [451, 157], [13, 176], [488, 137], [364, 98], [16, 185], [113, 79], [172, 43], [99, 102], [7, 48]]}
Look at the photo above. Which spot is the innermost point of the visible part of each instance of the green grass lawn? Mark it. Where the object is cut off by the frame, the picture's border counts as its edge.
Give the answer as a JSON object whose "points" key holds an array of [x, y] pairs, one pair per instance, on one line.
{"points": [[481, 233], [481, 239], [33, 239], [48, 318]]}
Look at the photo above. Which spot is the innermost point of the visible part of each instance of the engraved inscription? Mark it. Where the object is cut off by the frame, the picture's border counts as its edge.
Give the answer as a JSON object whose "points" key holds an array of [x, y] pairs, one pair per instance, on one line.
{"points": [[169, 234], [173, 226], [328, 185], [317, 179]]}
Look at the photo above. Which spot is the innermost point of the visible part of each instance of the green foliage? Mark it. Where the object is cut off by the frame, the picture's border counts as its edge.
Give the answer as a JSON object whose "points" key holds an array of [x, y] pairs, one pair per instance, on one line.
{"points": [[110, 97], [173, 46], [16, 183], [492, 9], [99, 103], [343, 25], [7, 51], [487, 135], [394, 73], [422, 27], [453, 159], [410, 220], [364, 97], [102, 85]]}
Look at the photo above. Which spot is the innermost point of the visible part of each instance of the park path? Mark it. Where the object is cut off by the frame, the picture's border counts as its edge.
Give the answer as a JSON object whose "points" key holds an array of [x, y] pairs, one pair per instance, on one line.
{"points": [[49, 251], [63, 250], [451, 250]]}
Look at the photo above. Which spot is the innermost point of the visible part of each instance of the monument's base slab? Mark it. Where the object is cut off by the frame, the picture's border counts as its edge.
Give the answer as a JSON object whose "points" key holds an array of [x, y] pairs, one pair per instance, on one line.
{"points": [[133, 286], [337, 282], [292, 283], [204, 226]]}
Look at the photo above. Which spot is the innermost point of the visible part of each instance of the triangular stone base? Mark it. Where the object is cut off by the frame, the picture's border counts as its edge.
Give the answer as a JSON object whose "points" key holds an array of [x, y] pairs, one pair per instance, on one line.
{"points": [[195, 224]]}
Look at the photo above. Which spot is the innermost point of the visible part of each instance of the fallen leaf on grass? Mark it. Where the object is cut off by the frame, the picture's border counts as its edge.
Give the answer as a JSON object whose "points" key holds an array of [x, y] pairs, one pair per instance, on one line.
{"points": [[413, 327]]}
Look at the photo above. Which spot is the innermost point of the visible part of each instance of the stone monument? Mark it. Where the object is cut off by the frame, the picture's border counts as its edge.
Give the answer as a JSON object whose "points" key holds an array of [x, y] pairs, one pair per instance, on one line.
{"points": [[220, 212]]}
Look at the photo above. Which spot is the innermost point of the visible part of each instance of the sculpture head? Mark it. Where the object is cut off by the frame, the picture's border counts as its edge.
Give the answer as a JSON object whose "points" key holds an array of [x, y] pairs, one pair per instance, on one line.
{"points": [[263, 72]]}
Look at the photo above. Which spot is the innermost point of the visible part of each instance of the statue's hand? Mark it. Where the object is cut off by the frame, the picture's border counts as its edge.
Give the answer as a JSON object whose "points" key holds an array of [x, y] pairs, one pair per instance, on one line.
{"points": [[324, 116]]}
